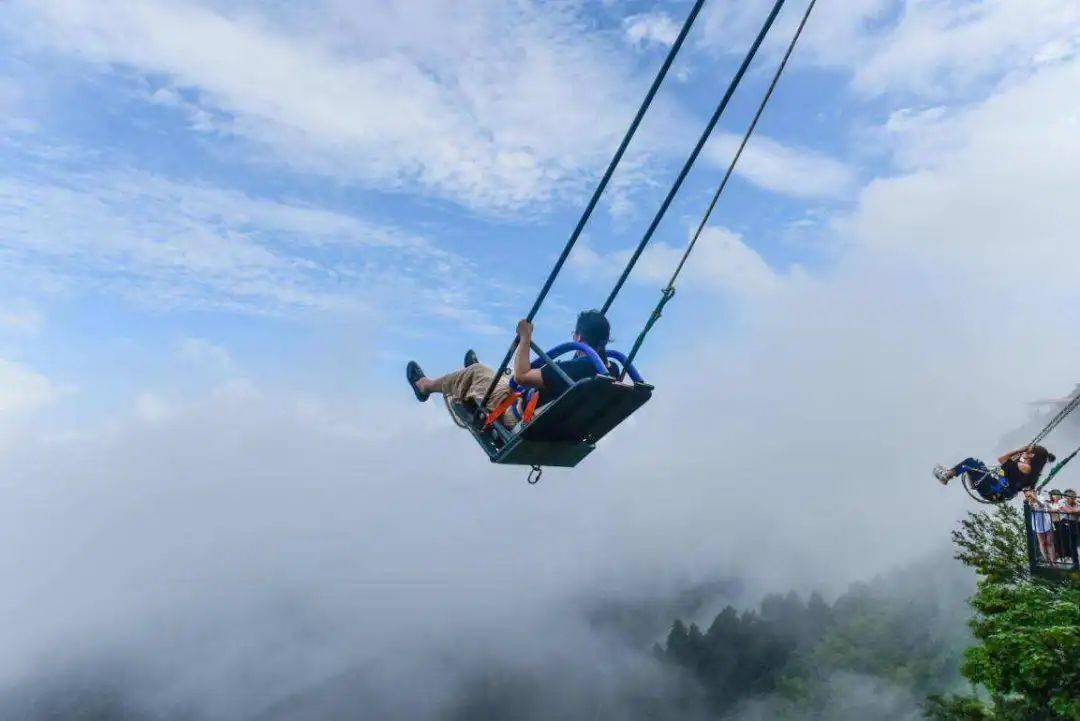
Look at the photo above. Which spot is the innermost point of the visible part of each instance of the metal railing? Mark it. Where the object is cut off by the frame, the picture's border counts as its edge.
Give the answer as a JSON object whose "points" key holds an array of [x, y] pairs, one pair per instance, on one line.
{"points": [[1053, 536]]}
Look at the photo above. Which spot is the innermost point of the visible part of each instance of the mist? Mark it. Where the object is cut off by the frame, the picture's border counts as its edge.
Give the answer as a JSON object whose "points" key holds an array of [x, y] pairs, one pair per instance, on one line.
{"points": [[241, 554]]}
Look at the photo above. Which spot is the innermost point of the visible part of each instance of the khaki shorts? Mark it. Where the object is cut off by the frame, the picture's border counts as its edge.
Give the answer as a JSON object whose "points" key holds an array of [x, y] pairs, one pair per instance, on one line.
{"points": [[472, 383]]}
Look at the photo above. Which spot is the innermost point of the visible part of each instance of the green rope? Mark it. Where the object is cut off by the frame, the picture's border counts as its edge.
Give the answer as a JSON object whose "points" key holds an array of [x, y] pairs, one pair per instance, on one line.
{"points": [[665, 295], [669, 290], [1058, 467]]}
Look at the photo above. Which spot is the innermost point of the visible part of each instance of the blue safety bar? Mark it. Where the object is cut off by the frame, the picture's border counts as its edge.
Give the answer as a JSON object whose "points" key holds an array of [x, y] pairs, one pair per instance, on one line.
{"points": [[563, 348], [629, 367], [548, 358]]}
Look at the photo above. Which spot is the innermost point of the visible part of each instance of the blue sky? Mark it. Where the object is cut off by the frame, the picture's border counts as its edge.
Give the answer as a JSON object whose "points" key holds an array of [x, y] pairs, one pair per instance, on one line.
{"points": [[314, 192], [183, 202]]}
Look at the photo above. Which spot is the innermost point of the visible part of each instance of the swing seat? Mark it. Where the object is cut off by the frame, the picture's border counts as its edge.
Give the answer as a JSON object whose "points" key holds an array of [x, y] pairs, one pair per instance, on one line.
{"points": [[972, 486], [567, 429], [564, 431]]}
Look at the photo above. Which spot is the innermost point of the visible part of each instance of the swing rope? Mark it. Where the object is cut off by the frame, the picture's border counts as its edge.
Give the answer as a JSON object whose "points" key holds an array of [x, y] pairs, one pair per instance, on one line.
{"points": [[1054, 422], [735, 80], [672, 53], [1071, 406], [668, 291]]}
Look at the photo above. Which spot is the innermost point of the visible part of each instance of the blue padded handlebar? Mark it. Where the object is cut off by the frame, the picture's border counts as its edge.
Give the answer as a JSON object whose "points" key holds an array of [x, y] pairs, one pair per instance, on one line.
{"points": [[591, 354], [630, 369], [563, 348]]}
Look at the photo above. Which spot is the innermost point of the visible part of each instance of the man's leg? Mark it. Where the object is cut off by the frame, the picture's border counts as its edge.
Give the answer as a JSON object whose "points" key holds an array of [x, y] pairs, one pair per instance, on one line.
{"points": [[457, 384], [478, 389], [471, 384]]}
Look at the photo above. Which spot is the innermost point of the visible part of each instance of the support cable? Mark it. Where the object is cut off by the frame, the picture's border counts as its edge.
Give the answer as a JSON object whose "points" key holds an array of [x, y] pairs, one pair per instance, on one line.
{"points": [[672, 53], [669, 290], [735, 80], [1061, 415]]}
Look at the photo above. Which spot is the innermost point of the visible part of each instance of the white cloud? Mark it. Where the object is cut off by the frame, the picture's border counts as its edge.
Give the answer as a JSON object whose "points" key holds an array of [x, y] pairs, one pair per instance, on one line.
{"points": [[445, 100], [837, 33], [206, 354], [446, 103], [152, 408], [170, 244], [12, 98], [797, 172], [23, 389], [720, 261], [951, 303], [925, 48], [20, 316], [198, 118], [937, 47], [653, 27], [989, 187]]}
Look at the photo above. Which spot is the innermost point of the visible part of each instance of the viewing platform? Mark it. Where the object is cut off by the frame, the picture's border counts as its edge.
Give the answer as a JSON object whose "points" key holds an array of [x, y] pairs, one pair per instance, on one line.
{"points": [[1053, 537]]}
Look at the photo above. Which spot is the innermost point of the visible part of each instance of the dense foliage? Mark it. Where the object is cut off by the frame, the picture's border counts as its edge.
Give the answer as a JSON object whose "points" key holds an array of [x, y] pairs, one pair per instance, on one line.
{"points": [[894, 640], [1027, 656]]}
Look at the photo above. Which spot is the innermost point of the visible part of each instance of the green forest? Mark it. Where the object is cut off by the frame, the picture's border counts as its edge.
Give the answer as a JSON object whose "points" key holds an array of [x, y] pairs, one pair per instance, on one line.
{"points": [[1018, 657], [981, 641]]}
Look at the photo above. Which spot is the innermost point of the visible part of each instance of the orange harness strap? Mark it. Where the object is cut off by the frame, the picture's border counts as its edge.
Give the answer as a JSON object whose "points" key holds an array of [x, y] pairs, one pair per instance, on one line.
{"points": [[498, 411], [530, 408]]}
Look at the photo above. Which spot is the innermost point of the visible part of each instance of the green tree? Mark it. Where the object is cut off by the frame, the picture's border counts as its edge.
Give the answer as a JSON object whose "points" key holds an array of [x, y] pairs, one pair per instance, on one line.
{"points": [[1028, 631]]}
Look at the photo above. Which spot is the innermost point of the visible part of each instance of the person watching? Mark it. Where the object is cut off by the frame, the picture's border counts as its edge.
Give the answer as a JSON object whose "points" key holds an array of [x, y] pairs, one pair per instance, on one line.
{"points": [[1041, 525]]}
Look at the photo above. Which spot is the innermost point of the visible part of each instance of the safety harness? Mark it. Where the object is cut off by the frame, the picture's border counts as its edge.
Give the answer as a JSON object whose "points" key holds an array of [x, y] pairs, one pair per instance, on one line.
{"points": [[529, 398]]}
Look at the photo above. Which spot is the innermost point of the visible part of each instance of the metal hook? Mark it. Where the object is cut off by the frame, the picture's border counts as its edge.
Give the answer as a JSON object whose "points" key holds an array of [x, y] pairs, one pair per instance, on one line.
{"points": [[535, 474]]}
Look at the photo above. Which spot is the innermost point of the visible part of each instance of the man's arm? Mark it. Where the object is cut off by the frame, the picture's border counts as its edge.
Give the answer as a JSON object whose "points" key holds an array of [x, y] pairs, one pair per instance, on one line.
{"points": [[524, 373]]}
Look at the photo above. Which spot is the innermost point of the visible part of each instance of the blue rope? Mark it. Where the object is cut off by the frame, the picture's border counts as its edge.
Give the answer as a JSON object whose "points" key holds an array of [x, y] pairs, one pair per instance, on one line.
{"points": [[694, 154], [674, 51], [669, 291]]}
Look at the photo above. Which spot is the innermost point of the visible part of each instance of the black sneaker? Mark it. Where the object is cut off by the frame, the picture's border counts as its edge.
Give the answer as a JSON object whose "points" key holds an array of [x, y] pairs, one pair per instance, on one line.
{"points": [[470, 358], [413, 373]]}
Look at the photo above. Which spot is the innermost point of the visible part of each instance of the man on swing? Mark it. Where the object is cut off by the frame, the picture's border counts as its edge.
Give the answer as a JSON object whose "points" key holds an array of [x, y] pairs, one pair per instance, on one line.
{"points": [[471, 382]]}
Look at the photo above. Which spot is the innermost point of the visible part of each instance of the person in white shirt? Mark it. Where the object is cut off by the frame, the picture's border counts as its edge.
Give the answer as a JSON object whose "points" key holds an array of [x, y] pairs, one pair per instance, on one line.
{"points": [[1042, 525]]}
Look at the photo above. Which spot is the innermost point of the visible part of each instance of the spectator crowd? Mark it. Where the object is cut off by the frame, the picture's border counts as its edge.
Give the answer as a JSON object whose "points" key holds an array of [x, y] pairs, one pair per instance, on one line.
{"points": [[1055, 520]]}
